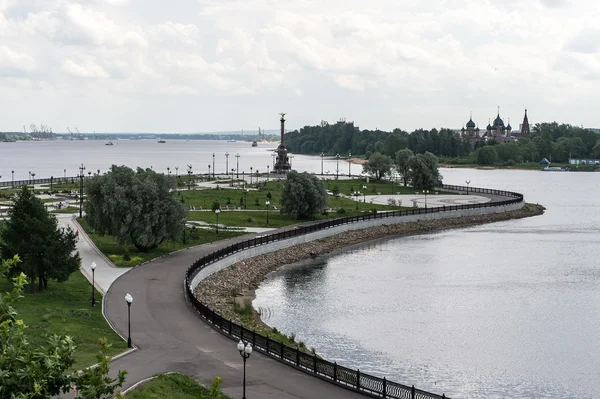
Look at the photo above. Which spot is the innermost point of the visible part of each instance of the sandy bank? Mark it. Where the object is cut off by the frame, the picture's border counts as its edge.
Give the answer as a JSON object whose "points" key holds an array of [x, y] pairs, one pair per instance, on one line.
{"points": [[238, 282]]}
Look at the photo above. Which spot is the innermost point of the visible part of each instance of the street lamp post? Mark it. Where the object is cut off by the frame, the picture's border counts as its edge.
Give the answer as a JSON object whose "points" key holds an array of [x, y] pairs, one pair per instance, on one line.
{"points": [[356, 195], [51, 183], [268, 173], [209, 171], [93, 282], [217, 211], [468, 182], [176, 172], [168, 171], [245, 352], [226, 163], [245, 199], [337, 169], [81, 169], [33, 181], [213, 165], [189, 172], [425, 192], [250, 174], [129, 299], [65, 173], [322, 155], [364, 194], [267, 204], [237, 168], [349, 163], [13, 177]]}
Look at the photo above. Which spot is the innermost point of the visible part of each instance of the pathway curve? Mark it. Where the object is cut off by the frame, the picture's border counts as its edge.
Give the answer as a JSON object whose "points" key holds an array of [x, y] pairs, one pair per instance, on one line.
{"points": [[170, 337]]}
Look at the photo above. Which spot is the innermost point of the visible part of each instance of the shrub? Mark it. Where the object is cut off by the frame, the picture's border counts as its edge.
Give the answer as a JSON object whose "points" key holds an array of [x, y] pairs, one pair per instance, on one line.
{"points": [[126, 256], [341, 211]]}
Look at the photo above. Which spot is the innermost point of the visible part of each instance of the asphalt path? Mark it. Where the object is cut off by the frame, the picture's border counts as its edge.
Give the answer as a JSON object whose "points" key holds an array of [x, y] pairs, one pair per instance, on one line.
{"points": [[171, 337]]}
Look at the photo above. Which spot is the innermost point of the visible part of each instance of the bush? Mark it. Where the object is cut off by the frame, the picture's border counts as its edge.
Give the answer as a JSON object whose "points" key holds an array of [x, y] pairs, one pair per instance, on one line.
{"points": [[341, 211], [126, 256]]}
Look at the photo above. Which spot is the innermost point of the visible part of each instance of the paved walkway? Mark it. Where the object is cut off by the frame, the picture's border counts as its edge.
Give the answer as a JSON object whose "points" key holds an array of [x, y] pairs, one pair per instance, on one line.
{"points": [[170, 337]]}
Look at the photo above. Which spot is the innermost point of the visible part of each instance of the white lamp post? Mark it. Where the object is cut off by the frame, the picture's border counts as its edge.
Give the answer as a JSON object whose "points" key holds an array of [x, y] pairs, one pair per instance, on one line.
{"points": [[468, 182], [93, 267], [267, 204], [217, 211], [129, 300], [245, 352]]}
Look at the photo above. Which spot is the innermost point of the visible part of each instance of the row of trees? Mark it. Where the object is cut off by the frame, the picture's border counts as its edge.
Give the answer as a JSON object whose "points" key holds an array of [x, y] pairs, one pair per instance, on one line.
{"points": [[547, 140], [421, 170]]}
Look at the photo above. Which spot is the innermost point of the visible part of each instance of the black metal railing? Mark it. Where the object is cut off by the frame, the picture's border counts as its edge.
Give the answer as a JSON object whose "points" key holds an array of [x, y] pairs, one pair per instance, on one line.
{"points": [[310, 363]]}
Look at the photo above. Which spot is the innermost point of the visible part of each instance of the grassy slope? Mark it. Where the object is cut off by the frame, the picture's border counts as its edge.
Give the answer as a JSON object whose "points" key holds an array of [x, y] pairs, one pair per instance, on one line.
{"points": [[109, 247], [172, 386], [65, 309]]}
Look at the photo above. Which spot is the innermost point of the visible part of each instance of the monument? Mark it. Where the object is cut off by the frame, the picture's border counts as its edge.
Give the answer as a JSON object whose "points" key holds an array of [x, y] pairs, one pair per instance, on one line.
{"points": [[282, 161]]}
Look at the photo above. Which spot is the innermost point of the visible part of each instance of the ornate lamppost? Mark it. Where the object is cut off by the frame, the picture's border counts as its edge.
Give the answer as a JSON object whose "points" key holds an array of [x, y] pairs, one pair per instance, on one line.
{"points": [[245, 352], [93, 267], [237, 168], [364, 194], [213, 166], [81, 169], [129, 300], [267, 173], [267, 205], [337, 169], [322, 155], [251, 174], [217, 211], [468, 182], [349, 163], [226, 163]]}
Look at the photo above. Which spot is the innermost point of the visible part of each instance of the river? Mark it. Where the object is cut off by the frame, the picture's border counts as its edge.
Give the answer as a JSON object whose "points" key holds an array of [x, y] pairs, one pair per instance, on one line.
{"points": [[60, 157], [502, 310]]}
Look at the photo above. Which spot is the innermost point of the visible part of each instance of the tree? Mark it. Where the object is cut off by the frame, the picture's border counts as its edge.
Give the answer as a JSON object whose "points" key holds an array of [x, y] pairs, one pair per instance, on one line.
{"points": [[47, 251], [28, 372], [134, 206], [424, 171], [486, 155], [378, 165], [402, 164], [303, 195]]}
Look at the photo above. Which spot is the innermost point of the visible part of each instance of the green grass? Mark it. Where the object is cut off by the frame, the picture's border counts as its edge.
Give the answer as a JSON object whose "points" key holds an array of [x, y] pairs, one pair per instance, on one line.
{"points": [[174, 386], [115, 252], [65, 309], [226, 196]]}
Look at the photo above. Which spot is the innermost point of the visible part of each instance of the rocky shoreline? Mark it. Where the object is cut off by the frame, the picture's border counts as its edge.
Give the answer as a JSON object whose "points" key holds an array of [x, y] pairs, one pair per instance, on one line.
{"points": [[238, 282]]}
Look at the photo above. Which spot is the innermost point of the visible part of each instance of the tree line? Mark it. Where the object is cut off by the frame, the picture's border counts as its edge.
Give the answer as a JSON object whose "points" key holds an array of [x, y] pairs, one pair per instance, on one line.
{"points": [[547, 140]]}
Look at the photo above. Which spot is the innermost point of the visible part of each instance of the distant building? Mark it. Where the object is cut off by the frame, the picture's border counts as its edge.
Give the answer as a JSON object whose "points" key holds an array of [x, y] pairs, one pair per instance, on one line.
{"points": [[498, 130]]}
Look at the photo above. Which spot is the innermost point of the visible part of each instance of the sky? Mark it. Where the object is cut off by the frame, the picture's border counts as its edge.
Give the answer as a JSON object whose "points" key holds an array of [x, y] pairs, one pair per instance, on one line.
{"points": [[220, 65]]}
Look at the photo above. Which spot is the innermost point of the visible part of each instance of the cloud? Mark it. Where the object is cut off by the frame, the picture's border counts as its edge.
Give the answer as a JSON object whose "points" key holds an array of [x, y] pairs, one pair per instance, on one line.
{"points": [[318, 58]]}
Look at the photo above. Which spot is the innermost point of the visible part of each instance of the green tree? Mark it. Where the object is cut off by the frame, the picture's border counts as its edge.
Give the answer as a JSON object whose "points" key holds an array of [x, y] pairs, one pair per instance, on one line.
{"points": [[134, 206], [402, 164], [28, 372], [424, 171], [47, 250], [378, 165], [486, 155], [303, 195], [336, 191]]}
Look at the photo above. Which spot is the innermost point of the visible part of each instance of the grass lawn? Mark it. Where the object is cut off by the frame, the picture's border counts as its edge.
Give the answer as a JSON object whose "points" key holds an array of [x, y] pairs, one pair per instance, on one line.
{"points": [[173, 386], [115, 252], [65, 309]]}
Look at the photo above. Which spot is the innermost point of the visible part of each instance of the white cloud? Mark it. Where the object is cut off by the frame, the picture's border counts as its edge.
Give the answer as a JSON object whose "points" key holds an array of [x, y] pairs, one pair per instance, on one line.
{"points": [[313, 59]]}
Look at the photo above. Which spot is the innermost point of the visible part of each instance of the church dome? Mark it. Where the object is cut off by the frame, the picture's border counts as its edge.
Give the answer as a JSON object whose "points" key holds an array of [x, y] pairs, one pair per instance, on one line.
{"points": [[470, 123], [498, 121], [462, 130], [509, 127], [489, 127]]}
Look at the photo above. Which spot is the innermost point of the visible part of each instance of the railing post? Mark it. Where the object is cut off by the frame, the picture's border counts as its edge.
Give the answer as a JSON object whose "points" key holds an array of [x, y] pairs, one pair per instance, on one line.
{"points": [[282, 349], [254, 338], [315, 362], [221, 323], [230, 323], [241, 333], [357, 378], [268, 344], [297, 356], [412, 392], [335, 371], [384, 393]]}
